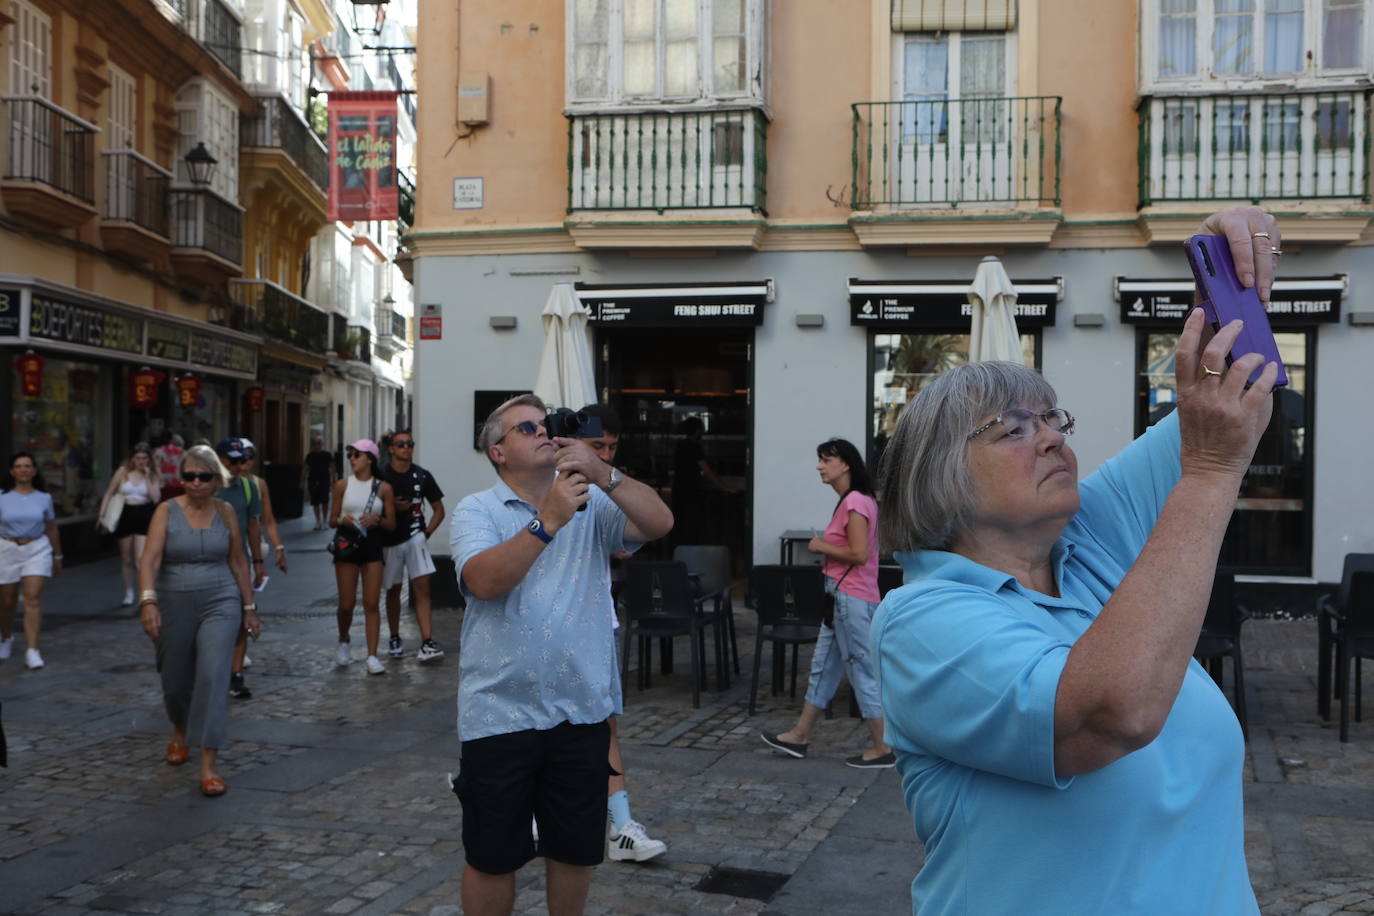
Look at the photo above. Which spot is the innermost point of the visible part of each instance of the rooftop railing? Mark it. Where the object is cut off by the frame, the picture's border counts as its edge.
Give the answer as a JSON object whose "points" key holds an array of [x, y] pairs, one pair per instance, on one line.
{"points": [[51, 146]]}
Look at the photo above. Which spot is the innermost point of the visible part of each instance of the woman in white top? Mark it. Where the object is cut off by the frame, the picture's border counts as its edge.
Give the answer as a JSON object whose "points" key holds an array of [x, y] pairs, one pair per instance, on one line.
{"points": [[30, 551], [362, 503], [139, 482]]}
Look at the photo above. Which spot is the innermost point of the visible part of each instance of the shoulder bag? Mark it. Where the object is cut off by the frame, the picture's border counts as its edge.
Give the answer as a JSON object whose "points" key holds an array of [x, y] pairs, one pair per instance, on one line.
{"points": [[347, 545]]}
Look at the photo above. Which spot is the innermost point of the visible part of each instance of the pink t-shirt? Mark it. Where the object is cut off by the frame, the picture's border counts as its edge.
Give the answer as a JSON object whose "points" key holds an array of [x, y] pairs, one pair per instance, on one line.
{"points": [[861, 581]]}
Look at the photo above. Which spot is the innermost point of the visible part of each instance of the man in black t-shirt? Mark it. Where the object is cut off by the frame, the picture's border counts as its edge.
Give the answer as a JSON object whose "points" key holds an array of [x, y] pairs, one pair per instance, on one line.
{"points": [[319, 479], [407, 550]]}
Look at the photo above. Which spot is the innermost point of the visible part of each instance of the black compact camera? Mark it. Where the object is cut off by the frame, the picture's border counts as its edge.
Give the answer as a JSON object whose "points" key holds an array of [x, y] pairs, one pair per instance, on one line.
{"points": [[572, 424]]}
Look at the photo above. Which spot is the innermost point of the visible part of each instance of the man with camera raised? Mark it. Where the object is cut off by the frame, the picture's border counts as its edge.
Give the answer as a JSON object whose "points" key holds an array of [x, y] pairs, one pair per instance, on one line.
{"points": [[537, 664]]}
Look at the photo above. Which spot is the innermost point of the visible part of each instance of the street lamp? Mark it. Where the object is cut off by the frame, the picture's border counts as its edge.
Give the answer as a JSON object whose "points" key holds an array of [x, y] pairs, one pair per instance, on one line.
{"points": [[200, 165], [360, 16]]}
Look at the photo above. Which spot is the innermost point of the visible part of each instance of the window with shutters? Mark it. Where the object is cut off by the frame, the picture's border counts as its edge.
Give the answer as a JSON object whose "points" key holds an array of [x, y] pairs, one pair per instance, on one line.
{"points": [[122, 123], [30, 52], [623, 53], [207, 114]]}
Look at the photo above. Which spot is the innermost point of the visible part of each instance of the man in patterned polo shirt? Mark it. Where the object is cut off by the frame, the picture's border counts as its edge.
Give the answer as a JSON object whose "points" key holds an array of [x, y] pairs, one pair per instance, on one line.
{"points": [[537, 663]]}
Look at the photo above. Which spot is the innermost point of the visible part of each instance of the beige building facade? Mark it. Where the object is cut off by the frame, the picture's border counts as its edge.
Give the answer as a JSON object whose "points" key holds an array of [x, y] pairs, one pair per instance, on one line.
{"points": [[770, 211]]}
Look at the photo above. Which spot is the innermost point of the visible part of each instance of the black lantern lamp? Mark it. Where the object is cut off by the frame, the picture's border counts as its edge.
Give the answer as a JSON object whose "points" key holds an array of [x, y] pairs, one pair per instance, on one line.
{"points": [[369, 16], [200, 165]]}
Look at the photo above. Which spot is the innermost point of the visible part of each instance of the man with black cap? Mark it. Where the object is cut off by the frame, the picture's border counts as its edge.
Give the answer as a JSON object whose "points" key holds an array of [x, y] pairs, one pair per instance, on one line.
{"points": [[243, 496]]}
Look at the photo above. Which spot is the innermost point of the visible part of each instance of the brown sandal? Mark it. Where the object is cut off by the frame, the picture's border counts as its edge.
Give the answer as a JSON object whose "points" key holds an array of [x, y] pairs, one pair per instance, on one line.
{"points": [[213, 787], [177, 754]]}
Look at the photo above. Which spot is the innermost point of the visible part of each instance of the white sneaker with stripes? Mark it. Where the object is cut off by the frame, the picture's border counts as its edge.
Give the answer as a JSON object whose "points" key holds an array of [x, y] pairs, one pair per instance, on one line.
{"points": [[632, 844]]}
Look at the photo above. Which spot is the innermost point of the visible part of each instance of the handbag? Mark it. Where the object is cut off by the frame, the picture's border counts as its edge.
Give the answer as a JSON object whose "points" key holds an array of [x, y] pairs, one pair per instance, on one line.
{"points": [[109, 519], [347, 546], [829, 618]]}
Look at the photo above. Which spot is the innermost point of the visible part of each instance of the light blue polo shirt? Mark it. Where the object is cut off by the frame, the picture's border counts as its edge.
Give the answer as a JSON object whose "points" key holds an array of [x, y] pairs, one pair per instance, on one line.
{"points": [[544, 653], [969, 665]]}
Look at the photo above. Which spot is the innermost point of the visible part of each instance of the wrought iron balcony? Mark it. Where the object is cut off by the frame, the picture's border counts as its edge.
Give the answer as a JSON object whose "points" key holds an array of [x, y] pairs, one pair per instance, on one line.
{"points": [[282, 315], [278, 125], [956, 152], [391, 331], [207, 234], [659, 160], [215, 27], [1255, 146], [136, 191], [50, 173]]}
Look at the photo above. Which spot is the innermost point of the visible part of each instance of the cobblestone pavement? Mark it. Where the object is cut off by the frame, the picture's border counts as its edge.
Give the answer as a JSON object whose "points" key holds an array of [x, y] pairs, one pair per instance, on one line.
{"points": [[338, 801]]}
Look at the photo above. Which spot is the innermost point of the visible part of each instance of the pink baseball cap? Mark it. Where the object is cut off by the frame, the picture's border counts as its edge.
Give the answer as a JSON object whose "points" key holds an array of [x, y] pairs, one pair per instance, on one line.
{"points": [[367, 445]]}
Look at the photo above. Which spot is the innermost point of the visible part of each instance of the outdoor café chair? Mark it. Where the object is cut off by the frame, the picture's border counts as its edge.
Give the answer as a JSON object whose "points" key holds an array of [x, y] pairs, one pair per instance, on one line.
{"points": [[660, 602], [710, 563], [1330, 610], [1354, 641], [1220, 637], [791, 604]]}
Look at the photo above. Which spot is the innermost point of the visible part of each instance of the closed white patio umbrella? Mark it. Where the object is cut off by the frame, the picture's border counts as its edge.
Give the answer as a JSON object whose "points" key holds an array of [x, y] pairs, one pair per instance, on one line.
{"points": [[994, 334], [565, 376]]}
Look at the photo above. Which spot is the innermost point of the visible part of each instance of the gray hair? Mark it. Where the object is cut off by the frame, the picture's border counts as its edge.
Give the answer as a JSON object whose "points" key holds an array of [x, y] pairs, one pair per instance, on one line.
{"points": [[927, 492], [205, 456], [491, 428]]}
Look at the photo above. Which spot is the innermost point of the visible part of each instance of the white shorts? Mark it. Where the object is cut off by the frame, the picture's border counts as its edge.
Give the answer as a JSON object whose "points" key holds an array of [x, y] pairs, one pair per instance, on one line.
{"points": [[410, 560], [20, 560]]}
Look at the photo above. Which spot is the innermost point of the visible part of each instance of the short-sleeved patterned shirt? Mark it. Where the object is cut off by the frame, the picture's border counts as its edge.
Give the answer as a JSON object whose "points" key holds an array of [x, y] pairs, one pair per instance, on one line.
{"points": [[544, 653]]}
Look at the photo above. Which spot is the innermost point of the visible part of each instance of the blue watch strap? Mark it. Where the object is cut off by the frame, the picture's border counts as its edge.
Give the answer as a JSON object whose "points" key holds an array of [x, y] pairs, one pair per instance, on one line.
{"points": [[536, 528]]}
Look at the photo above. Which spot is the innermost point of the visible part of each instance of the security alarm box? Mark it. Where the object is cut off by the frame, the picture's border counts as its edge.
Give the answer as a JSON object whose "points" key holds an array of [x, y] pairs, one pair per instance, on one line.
{"points": [[474, 96]]}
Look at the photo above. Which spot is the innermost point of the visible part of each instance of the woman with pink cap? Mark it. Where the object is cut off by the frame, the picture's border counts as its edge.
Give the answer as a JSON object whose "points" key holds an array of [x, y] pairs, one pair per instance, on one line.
{"points": [[362, 501]]}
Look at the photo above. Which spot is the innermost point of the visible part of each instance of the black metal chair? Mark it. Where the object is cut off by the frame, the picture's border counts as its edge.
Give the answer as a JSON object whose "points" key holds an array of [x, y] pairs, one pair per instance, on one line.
{"points": [[710, 564], [1330, 610], [791, 604], [660, 602], [1354, 638], [1220, 637]]}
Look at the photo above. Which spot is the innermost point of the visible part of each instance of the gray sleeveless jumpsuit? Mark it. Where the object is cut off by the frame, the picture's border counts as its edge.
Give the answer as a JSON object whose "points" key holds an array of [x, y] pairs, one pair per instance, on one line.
{"points": [[202, 611]]}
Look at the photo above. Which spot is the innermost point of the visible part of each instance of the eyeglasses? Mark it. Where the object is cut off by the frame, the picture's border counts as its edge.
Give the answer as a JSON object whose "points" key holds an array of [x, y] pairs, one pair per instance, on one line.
{"points": [[203, 476], [403, 443], [239, 460], [350, 453], [1020, 422], [524, 428]]}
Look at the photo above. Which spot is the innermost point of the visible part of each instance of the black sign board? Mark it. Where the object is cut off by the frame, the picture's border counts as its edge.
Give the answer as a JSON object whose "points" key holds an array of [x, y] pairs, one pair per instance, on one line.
{"points": [[67, 322], [688, 305], [912, 305], [9, 312], [223, 353], [167, 341], [1294, 301]]}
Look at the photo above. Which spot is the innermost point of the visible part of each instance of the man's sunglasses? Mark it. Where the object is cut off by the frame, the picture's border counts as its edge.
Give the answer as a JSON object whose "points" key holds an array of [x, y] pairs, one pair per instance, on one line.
{"points": [[203, 476], [403, 443], [524, 428]]}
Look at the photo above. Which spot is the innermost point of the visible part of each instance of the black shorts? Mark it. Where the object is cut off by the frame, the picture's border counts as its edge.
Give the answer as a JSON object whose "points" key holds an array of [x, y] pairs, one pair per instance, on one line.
{"points": [[371, 552], [319, 491], [134, 520], [558, 775]]}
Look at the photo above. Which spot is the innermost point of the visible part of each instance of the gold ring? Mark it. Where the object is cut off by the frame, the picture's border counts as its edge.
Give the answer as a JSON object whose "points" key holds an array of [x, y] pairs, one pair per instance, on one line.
{"points": [[1276, 252], [1206, 371], [1259, 235]]}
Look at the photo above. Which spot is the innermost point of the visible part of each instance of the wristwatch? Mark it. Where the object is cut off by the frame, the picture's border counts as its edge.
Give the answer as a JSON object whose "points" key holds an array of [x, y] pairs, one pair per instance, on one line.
{"points": [[616, 478], [536, 528]]}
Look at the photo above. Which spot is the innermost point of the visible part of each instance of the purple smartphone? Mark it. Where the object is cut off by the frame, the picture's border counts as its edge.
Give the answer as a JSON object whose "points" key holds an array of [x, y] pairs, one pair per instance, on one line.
{"points": [[1226, 300]]}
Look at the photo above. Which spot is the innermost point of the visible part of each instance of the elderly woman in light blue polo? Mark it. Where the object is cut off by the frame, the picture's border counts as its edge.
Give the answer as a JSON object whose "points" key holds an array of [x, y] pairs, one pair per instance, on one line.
{"points": [[1058, 748]]}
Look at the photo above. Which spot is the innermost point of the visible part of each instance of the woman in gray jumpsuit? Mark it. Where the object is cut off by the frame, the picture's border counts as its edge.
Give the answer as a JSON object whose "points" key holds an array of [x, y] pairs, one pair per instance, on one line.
{"points": [[203, 597]]}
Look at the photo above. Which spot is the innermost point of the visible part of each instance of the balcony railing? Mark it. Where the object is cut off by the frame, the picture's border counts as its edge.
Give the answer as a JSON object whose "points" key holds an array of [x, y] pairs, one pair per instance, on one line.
{"points": [[668, 160], [202, 219], [1270, 146], [50, 146], [219, 31], [956, 151], [390, 324], [136, 191], [281, 315], [279, 126], [405, 202]]}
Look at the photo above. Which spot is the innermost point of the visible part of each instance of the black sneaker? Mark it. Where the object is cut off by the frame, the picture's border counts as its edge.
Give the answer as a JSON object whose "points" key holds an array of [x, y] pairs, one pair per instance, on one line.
{"points": [[394, 648], [429, 651], [238, 689]]}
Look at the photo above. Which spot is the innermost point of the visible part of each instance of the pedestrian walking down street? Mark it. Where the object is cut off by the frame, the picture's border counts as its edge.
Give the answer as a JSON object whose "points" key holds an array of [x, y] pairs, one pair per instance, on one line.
{"points": [[268, 523], [850, 547], [195, 596], [626, 838], [30, 553], [532, 713], [406, 554], [245, 498], [167, 452], [363, 504], [317, 477], [1060, 749], [137, 485]]}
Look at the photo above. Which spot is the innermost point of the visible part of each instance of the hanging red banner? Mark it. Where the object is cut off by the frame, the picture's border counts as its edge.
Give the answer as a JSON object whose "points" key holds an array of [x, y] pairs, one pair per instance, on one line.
{"points": [[30, 367], [143, 387], [188, 390], [256, 396], [362, 156]]}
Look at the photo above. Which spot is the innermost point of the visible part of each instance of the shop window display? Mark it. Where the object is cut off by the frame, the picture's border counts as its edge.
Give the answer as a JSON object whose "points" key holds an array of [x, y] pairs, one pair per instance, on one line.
{"points": [[67, 428]]}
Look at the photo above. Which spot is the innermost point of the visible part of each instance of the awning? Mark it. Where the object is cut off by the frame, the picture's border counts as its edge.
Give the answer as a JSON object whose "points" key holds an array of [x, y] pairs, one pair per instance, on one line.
{"points": [[913, 305], [675, 305], [1294, 300]]}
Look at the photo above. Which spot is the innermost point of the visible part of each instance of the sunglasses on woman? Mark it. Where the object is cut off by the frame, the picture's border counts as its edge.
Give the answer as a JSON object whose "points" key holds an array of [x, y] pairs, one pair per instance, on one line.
{"points": [[202, 476]]}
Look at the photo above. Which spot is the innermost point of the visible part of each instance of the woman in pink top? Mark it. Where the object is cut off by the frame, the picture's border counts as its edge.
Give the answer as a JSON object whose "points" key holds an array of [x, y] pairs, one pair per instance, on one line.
{"points": [[850, 548]]}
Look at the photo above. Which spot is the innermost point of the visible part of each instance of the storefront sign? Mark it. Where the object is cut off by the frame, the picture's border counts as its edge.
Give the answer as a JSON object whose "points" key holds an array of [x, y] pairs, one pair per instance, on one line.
{"points": [[188, 390], [431, 328], [701, 305], [1294, 301], [362, 156], [255, 397], [9, 313], [30, 368], [222, 353], [903, 305], [166, 341], [144, 385], [67, 322]]}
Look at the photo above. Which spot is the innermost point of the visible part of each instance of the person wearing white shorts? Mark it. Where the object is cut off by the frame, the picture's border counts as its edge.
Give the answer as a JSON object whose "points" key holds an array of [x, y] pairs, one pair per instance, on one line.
{"points": [[407, 551], [30, 552]]}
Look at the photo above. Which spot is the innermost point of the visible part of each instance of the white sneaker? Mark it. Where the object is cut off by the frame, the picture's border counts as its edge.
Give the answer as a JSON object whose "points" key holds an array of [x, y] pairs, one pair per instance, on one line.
{"points": [[633, 844], [375, 666], [342, 656], [32, 658], [5, 646], [128, 598], [534, 830]]}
